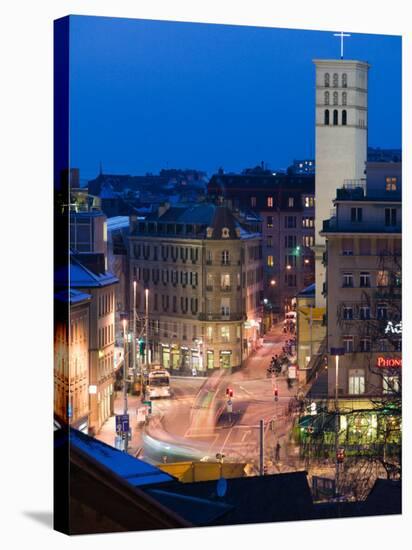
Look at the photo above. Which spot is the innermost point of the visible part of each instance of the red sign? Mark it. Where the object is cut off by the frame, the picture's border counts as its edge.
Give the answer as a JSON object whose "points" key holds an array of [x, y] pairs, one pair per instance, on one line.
{"points": [[388, 362]]}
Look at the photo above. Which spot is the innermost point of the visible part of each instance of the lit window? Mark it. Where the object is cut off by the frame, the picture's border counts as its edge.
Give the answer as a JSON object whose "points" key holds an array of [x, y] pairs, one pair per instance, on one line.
{"points": [[356, 381], [225, 281], [270, 202], [225, 334], [391, 183], [382, 278], [270, 261], [291, 202]]}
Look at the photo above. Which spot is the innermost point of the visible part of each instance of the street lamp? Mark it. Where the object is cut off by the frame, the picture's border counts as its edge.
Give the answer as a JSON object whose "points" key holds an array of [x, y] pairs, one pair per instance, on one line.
{"points": [[337, 352], [124, 379], [146, 293], [134, 330], [273, 282]]}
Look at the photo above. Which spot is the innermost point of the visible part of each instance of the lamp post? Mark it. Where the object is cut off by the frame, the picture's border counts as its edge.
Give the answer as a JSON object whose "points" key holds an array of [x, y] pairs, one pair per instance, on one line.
{"points": [[134, 333], [146, 348], [126, 435], [337, 352]]}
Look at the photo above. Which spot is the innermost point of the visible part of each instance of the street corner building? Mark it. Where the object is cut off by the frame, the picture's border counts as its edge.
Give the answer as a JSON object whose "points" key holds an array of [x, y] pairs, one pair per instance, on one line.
{"points": [[202, 270]]}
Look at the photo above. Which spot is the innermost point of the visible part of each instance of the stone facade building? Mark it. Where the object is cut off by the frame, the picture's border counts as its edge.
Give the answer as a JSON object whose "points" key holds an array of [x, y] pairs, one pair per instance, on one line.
{"points": [[203, 272], [363, 290], [88, 274], [71, 359]]}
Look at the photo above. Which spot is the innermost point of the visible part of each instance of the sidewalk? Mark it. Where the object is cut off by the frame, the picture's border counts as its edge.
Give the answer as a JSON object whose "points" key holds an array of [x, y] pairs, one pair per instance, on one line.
{"points": [[108, 430]]}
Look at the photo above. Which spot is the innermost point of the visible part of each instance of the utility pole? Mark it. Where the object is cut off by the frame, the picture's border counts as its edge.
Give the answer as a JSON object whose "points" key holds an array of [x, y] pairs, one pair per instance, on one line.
{"points": [[261, 447], [125, 411]]}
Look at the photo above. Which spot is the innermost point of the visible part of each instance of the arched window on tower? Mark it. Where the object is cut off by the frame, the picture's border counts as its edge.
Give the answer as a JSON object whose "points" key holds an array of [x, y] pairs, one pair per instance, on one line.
{"points": [[335, 80], [326, 98], [335, 117], [335, 98], [326, 117], [344, 98], [344, 80], [344, 117], [327, 80]]}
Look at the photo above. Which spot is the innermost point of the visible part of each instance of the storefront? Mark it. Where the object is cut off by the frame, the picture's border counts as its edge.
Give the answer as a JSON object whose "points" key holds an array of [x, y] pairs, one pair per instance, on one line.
{"points": [[225, 359], [165, 356], [175, 358], [185, 356], [210, 359]]}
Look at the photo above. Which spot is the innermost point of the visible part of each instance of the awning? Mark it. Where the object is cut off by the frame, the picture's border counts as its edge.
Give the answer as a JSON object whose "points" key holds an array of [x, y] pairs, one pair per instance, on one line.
{"points": [[317, 312]]}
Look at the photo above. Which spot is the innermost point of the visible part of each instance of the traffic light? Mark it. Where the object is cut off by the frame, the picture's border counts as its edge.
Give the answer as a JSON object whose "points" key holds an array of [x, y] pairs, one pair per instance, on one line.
{"points": [[229, 392]]}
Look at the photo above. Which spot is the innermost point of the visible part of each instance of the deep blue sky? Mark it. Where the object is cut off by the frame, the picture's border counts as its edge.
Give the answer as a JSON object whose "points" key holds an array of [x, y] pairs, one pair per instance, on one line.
{"points": [[146, 95]]}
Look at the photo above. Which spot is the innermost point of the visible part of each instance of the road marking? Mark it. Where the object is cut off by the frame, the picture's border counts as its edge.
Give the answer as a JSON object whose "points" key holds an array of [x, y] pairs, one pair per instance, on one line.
{"points": [[245, 390]]}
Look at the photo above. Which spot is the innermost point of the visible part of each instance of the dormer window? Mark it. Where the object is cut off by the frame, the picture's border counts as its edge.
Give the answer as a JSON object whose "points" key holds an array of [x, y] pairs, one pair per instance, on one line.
{"points": [[225, 233], [209, 232]]}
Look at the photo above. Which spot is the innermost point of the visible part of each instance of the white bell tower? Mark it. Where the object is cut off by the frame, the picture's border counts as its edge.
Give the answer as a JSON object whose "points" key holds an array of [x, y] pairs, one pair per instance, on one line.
{"points": [[341, 141]]}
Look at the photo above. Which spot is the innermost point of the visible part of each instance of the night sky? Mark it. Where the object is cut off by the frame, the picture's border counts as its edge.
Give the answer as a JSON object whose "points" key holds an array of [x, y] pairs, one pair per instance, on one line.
{"points": [[147, 95]]}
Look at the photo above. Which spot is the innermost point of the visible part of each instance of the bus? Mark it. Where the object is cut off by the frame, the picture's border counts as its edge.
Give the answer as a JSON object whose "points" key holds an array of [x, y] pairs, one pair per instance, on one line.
{"points": [[158, 384]]}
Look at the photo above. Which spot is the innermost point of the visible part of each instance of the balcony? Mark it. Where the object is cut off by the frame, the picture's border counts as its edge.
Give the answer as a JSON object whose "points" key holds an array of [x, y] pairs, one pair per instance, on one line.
{"points": [[334, 225], [233, 316], [226, 288]]}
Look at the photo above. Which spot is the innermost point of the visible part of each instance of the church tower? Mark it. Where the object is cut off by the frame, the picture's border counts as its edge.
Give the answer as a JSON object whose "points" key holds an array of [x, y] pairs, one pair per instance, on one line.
{"points": [[341, 141]]}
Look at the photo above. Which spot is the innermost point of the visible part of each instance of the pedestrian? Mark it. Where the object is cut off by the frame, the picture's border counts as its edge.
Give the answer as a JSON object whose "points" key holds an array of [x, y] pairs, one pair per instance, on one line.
{"points": [[277, 451]]}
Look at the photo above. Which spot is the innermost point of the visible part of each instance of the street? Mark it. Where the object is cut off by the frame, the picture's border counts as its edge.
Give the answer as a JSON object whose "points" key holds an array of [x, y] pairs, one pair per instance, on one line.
{"points": [[196, 425]]}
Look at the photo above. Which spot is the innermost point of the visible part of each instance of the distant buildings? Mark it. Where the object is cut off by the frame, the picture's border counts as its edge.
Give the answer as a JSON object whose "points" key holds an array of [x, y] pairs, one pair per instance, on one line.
{"points": [[286, 206], [203, 272], [304, 166]]}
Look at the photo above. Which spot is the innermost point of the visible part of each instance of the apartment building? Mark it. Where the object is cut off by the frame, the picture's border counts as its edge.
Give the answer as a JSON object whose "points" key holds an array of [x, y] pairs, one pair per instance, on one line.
{"points": [[203, 273], [363, 286]]}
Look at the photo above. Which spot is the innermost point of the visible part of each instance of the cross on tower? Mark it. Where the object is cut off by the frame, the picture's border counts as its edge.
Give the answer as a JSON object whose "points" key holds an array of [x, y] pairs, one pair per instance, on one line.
{"points": [[342, 35]]}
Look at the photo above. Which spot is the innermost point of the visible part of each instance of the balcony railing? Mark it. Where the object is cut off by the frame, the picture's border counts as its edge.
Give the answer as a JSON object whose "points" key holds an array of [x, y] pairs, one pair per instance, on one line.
{"points": [[221, 317]]}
